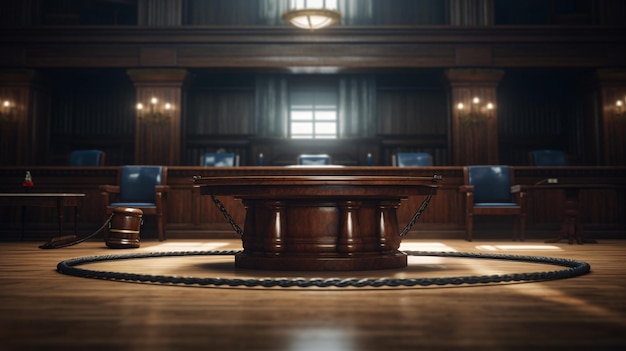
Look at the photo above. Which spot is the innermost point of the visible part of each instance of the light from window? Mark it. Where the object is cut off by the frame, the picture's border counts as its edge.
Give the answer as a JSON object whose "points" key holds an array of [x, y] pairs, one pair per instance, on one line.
{"points": [[313, 115]]}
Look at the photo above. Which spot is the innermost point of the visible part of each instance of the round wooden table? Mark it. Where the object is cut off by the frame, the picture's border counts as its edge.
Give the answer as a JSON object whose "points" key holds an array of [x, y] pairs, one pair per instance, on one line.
{"points": [[319, 222]]}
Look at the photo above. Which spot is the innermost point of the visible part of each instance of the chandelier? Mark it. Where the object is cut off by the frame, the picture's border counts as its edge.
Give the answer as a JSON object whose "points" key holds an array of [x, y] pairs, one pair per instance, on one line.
{"points": [[312, 14]]}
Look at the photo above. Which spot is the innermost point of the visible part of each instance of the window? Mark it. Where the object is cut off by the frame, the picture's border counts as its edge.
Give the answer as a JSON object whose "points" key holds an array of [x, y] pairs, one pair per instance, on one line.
{"points": [[313, 114]]}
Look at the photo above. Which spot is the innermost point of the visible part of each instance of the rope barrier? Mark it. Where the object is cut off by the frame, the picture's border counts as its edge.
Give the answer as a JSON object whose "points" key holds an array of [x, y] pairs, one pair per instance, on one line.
{"points": [[574, 268]]}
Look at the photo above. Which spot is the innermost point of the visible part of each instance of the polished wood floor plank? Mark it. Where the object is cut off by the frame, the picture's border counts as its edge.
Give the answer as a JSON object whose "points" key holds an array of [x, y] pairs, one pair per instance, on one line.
{"points": [[42, 309]]}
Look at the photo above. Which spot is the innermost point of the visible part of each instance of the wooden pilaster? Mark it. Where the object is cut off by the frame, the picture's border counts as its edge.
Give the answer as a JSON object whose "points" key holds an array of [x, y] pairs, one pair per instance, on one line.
{"points": [[24, 124], [159, 143], [474, 141], [612, 85]]}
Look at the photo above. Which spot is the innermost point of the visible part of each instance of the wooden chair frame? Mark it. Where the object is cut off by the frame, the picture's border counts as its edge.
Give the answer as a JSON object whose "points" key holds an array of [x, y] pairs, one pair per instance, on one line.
{"points": [[111, 193], [518, 195]]}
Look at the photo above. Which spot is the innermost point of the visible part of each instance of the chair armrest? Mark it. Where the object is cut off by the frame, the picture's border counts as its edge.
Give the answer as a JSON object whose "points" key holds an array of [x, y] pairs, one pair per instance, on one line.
{"points": [[105, 193], [469, 198], [161, 188], [110, 188], [466, 188], [519, 195]]}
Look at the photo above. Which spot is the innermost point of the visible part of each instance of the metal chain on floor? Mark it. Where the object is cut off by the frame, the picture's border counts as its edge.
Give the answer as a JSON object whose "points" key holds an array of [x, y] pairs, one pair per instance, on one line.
{"points": [[574, 268]]}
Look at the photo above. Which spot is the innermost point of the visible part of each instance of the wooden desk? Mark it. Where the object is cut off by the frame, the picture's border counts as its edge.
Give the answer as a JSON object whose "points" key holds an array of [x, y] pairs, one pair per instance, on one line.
{"points": [[59, 201], [319, 222], [572, 227]]}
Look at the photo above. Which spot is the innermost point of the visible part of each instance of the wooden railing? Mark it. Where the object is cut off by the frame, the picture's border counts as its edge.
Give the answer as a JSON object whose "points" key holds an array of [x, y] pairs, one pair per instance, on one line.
{"points": [[193, 216]]}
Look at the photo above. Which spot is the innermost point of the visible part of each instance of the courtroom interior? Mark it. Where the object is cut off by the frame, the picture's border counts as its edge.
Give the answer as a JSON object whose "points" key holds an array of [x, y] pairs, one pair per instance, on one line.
{"points": [[322, 138]]}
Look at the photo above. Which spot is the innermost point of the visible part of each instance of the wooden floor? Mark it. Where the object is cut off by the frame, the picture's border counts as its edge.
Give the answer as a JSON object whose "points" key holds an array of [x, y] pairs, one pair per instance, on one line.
{"points": [[41, 309]]}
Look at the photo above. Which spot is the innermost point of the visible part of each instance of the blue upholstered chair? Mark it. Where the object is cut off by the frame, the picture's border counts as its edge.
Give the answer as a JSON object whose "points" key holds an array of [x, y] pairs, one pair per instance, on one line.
{"points": [[548, 158], [218, 159], [489, 190], [87, 158], [142, 187], [413, 159], [314, 159]]}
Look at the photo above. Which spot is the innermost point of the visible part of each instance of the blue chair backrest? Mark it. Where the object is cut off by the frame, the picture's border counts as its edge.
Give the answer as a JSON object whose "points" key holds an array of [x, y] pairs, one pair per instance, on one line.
{"points": [[86, 157], [314, 160], [412, 159], [137, 183], [491, 183], [218, 159], [549, 158]]}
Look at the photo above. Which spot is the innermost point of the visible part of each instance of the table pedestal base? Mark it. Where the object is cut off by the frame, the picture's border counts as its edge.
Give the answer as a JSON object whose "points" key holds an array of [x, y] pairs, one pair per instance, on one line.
{"points": [[322, 263], [319, 235]]}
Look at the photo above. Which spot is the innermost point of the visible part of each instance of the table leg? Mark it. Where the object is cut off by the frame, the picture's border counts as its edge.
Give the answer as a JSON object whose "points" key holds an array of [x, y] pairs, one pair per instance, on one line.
{"points": [[76, 220], [23, 217], [60, 215], [572, 228]]}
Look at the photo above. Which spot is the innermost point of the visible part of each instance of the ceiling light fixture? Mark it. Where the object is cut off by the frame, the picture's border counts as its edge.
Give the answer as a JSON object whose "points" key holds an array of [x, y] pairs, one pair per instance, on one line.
{"points": [[312, 14]]}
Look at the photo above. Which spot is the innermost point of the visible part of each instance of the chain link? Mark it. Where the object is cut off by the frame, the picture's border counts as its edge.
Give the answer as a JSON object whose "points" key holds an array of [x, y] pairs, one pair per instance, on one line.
{"points": [[229, 218]]}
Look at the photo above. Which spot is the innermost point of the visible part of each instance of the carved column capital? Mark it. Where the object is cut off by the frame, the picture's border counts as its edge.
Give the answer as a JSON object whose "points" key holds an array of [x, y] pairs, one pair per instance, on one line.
{"points": [[474, 76]]}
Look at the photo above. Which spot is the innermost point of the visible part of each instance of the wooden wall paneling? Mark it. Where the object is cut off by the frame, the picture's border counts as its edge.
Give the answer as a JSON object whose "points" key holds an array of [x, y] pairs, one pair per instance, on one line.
{"points": [[590, 144], [412, 116], [411, 111], [474, 142], [221, 111], [608, 12], [159, 143], [613, 88], [17, 13], [471, 12], [409, 12], [25, 135], [160, 12], [14, 127], [92, 109], [219, 118], [537, 111], [221, 12]]}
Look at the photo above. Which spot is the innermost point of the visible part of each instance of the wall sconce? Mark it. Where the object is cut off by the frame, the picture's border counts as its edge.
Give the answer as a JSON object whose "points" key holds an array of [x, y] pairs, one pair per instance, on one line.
{"points": [[155, 114], [312, 14], [476, 113], [6, 111], [620, 109]]}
